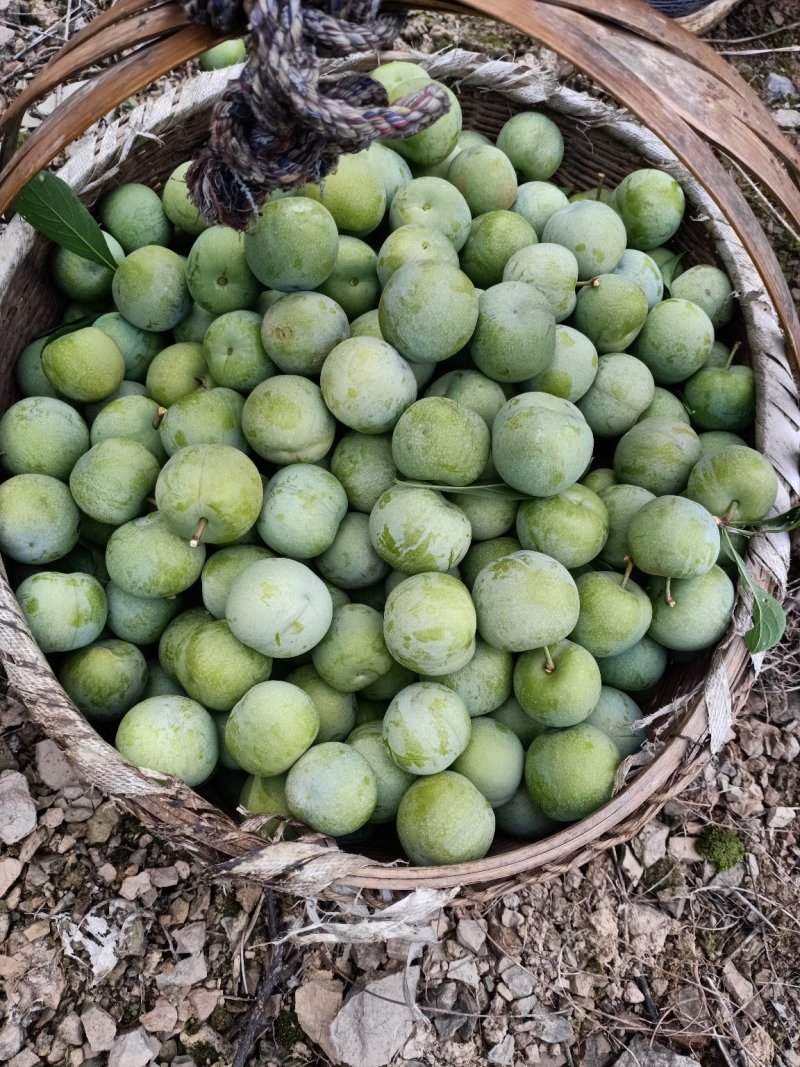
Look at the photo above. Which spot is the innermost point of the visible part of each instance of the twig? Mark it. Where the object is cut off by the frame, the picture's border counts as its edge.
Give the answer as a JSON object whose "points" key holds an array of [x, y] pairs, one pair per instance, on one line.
{"points": [[653, 1013], [760, 51], [753, 37]]}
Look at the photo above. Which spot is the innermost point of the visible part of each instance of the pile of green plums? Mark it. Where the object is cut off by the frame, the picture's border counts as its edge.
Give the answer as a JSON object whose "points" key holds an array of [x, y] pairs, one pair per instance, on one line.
{"points": [[245, 507]]}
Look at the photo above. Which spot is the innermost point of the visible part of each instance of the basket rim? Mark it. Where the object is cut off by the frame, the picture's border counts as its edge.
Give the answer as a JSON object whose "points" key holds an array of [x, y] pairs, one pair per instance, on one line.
{"points": [[681, 758]]}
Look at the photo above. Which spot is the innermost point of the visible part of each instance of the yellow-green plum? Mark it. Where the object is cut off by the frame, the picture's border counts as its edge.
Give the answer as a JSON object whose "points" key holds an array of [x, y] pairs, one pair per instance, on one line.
{"points": [[440, 440], [279, 607], [673, 537], [354, 195], [621, 503], [204, 417], [332, 788], [367, 384], [391, 682], [657, 454], [82, 279], [493, 239], [637, 669], [592, 231], [610, 311], [395, 74], [410, 244], [303, 506], [485, 682], [557, 686], [537, 201], [493, 760], [91, 411], [171, 735], [615, 613], [111, 481], [235, 352], [429, 624], [571, 526], [271, 727], [521, 818], [226, 760], [598, 479], [651, 204], [570, 773], [133, 214], [665, 405], [140, 620], [222, 568], [178, 205], [29, 374], [226, 54], [488, 516], [550, 268], [194, 324], [389, 167], [364, 466], [721, 398], [216, 669], [735, 482], [104, 679], [699, 613], [435, 204], [525, 600], [299, 331], [615, 713], [444, 819], [471, 389], [392, 781], [265, 796], [38, 518], [138, 347], [353, 283], [622, 389], [572, 370], [485, 177], [293, 245], [435, 143], [336, 710], [353, 653], [63, 611], [175, 634], [416, 530], [217, 273], [709, 288], [285, 420], [482, 553], [511, 714], [713, 441], [150, 289], [145, 557], [643, 271], [85, 365], [42, 435], [159, 682], [351, 562], [515, 335], [533, 143], [426, 727], [176, 371], [675, 340], [541, 443], [428, 310]]}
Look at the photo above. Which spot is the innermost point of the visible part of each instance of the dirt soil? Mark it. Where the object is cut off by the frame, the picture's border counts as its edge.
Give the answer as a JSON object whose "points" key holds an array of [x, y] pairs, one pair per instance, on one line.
{"points": [[116, 949]]}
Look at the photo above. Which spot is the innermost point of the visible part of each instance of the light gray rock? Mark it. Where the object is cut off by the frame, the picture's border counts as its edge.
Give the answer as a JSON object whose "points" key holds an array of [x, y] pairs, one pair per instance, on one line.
{"points": [[547, 1026], [11, 1038], [643, 1053], [471, 935], [190, 939], [464, 970], [779, 87], [518, 981], [17, 810], [10, 870], [187, 972], [502, 1053], [375, 1023], [134, 1049], [99, 1027], [53, 767]]}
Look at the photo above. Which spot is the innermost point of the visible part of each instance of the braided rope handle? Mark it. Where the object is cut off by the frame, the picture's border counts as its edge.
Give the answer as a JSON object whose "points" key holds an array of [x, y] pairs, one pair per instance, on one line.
{"points": [[280, 124]]}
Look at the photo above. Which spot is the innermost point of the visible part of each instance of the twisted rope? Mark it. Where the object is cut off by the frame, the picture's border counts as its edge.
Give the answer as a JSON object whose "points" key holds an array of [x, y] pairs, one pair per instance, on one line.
{"points": [[280, 125]]}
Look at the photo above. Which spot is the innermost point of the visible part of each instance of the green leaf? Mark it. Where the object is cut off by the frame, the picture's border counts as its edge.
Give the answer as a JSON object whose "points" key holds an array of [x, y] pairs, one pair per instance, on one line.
{"points": [[67, 327], [668, 268], [783, 523], [476, 489], [53, 208], [769, 618]]}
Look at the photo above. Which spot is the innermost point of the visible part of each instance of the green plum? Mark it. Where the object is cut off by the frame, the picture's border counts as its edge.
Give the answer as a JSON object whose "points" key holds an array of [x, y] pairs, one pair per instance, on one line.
{"points": [[63, 611], [42, 435], [104, 679], [557, 686], [429, 624], [170, 735], [332, 788], [570, 773]]}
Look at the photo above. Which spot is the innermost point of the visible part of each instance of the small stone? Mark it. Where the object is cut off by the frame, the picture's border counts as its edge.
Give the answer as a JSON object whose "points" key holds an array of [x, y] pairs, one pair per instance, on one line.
{"points": [[53, 767], [519, 981], [248, 894], [369, 956], [779, 88], [102, 824], [11, 1038], [135, 885], [642, 1052], [737, 985], [163, 877], [203, 1002], [631, 865], [186, 972], [464, 970], [471, 935], [70, 1029], [161, 1019], [26, 1058], [779, 818], [108, 873], [504, 1052], [183, 869], [376, 1023], [207, 1038], [791, 749], [134, 1049], [190, 939], [650, 844], [52, 818], [649, 929], [581, 985], [132, 938], [17, 810], [99, 1027], [317, 1004], [684, 849], [10, 870], [633, 994], [548, 1027], [597, 1051]]}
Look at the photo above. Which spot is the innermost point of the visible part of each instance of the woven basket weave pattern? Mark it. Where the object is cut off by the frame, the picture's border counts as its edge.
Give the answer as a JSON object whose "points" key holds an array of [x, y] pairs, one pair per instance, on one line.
{"points": [[146, 147]]}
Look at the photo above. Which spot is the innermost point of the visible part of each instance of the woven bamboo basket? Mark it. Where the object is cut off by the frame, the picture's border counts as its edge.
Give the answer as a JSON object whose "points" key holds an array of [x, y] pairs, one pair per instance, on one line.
{"points": [[695, 706]]}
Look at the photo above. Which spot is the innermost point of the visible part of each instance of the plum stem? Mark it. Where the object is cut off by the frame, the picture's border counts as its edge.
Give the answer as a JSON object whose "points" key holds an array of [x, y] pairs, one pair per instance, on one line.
{"points": [[627, 574], [593, 282], [197, 536], [735, 348], [601, 181], [668, 594], [549, 662], [728, 517], [159, 417]]}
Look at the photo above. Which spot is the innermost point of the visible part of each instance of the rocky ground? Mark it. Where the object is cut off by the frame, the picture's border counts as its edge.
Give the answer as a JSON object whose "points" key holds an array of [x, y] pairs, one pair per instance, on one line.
{"points": [[679, 948]]}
